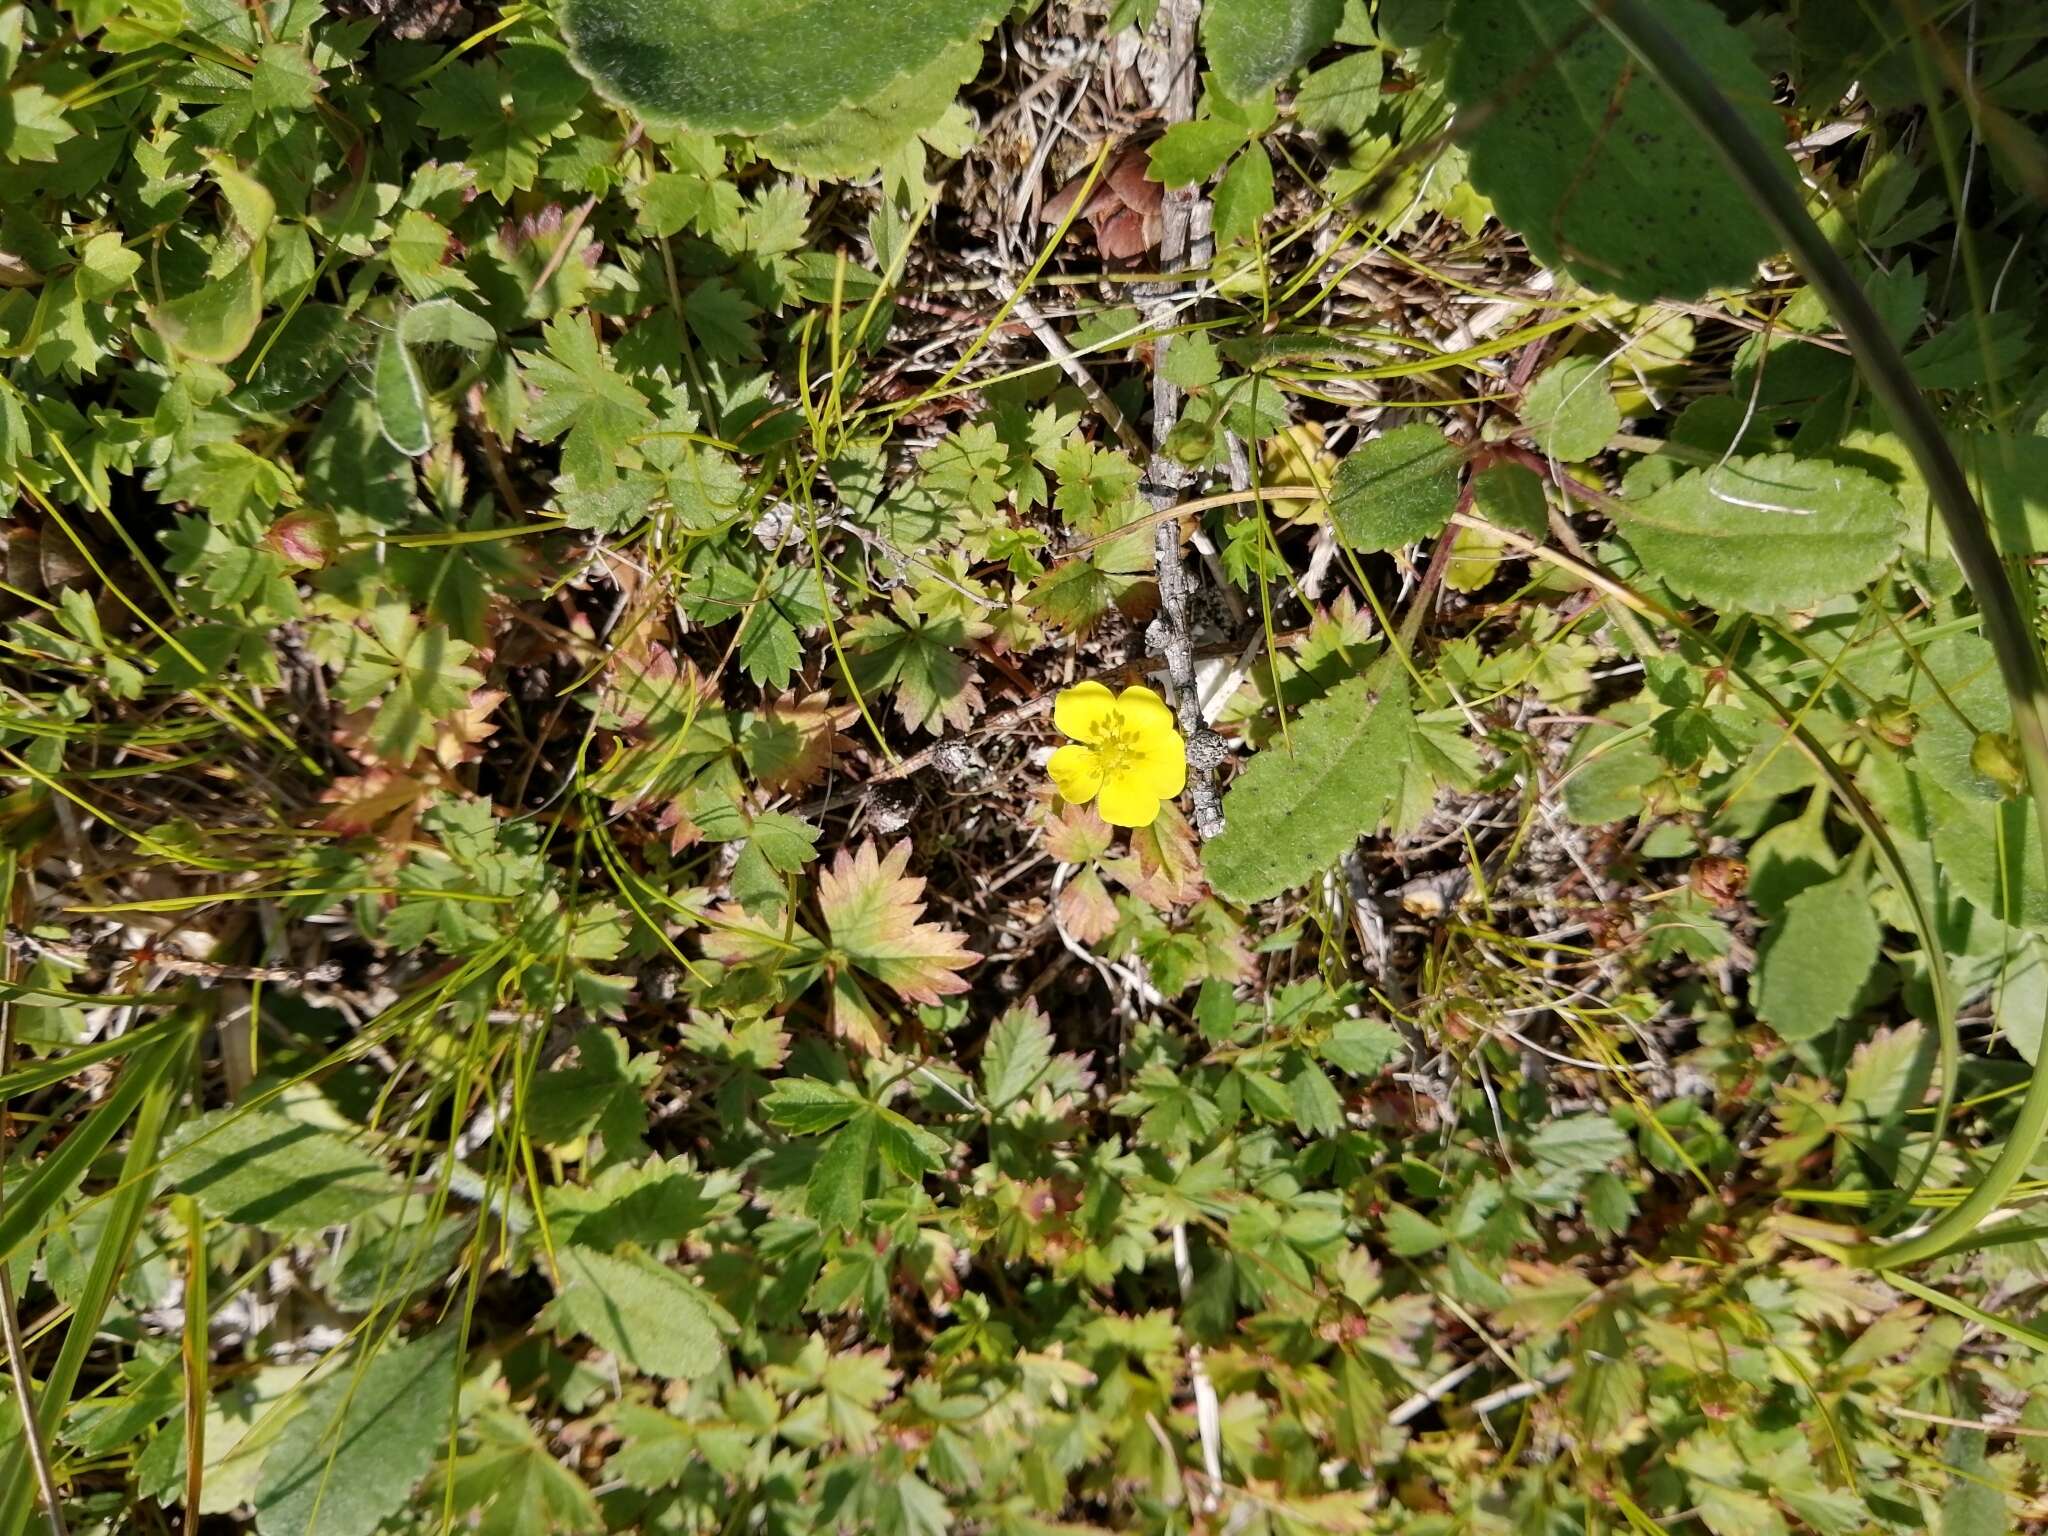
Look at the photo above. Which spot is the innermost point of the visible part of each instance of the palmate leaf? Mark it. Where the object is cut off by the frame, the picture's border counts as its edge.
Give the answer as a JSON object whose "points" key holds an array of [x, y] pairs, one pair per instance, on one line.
{"points": [[747, 66], [424, 669], [917, 655], [1291, 814], [1589, 158], [514, 1485], [872, 911]]}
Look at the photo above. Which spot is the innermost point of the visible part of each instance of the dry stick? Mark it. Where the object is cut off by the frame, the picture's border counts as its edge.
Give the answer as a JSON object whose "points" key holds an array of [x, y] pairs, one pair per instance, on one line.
{"points": [[1168, 634]]}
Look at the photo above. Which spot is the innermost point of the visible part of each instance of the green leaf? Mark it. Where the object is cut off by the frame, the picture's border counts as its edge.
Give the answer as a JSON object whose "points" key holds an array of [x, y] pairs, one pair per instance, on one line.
{"points": [[299, 362], [1190, 152], [1578, 1144], [31, 124], [1292, 814], [415, 674], [1360, 1047], [1244, 197], [1570, 411], [216, 320], [737, 66], [809, 1107], [602, 1093], [1253, 44], [1018, 1052], [1589, 158], [511, 1482], [259, 1168], [648, 1315], [1317, 1109], [1398, 488], [1974, 1502], [582, 395], [401, 396], [838, 1182], [1815, 959], [362, 1438], [1766, 534], [857, 137], [918, 656]]}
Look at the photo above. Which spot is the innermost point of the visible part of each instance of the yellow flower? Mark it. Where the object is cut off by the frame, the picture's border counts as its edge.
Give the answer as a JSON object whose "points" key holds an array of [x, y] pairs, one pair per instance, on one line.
{"points": [[1125, 749]]}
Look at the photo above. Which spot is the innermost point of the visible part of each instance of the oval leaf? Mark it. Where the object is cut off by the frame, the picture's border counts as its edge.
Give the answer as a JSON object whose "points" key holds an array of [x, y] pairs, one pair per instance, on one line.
{"points": [[741, 66], [1586, 154], [1290, 815], [1253, 44], [1766, 534], [1396, 489]]}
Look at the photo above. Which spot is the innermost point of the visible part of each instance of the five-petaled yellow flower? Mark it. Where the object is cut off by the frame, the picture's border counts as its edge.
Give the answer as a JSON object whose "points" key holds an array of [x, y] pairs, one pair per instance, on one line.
{"points": [[1125, 749]]}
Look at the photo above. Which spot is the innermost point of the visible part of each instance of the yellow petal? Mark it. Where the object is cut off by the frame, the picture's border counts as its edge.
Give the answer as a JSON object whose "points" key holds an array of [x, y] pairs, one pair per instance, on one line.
{"points": [[1082, 710], [1160, 763], [1076, 772], [1126, 802], [1143, 710]]}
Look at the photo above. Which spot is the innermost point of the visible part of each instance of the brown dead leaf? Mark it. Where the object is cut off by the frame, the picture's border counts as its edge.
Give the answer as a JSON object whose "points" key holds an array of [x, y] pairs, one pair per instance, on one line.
{"points": [[1123, 210]]}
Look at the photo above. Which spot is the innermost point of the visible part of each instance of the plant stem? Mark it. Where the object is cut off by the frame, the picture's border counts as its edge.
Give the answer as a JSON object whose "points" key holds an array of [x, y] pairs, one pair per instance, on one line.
{"points": [[1777, 196]]}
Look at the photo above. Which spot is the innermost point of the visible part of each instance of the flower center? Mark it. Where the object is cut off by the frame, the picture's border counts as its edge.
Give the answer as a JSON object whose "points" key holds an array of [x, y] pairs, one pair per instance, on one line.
{"points": [[1115, 744]]}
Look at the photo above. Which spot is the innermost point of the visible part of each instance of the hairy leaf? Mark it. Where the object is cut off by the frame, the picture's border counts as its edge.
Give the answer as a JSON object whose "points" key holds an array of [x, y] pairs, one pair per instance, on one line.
{"points": [[1766, 534], [649, 1315], [262, 1169], [1398, 488], [745, 66], [1293, 813], [1253, 44], [362, 1438], [1590, 159], [1816, 958]]}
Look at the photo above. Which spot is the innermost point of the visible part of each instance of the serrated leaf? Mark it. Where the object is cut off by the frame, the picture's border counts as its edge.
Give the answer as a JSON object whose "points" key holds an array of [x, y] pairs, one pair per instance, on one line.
{"points": [[1578, 1144], [1018, 1052], [858, 136], [1360, 1047], [510, 1484], [260, 1168], [872, 911], [1291, 815], [838, 1182], [648, 1315], [918, 656], [417, 675], [359, 1442], [601, 1093], [1767, 534], [809, 1107], [1590, 159], [746, 68], [1253, 44], [1400, 487], [1194, 151], [1815, 959]]}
